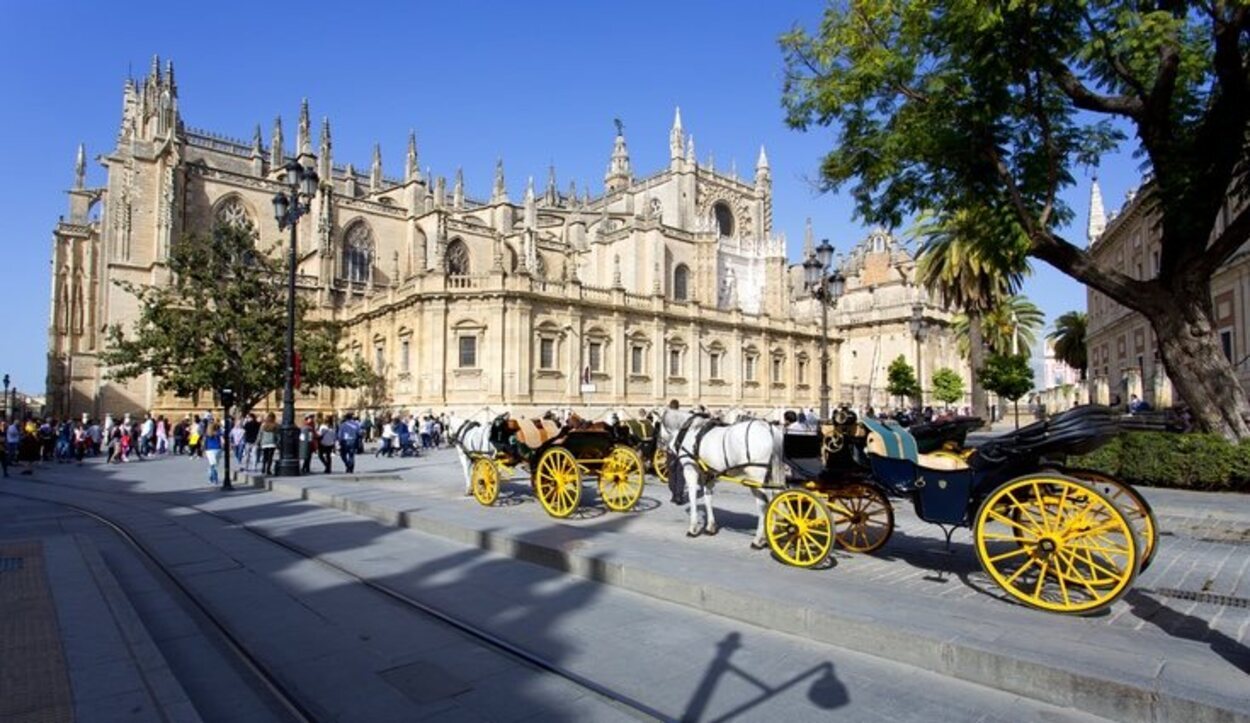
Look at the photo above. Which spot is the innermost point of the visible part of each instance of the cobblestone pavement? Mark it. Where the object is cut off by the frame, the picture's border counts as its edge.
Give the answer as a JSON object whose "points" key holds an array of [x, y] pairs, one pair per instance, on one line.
{"points": [[33, 675]]}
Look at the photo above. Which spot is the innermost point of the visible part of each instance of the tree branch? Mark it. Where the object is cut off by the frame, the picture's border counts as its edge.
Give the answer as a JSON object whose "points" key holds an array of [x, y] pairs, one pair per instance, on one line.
{"points": [[1087, 99], [1116, 63]]}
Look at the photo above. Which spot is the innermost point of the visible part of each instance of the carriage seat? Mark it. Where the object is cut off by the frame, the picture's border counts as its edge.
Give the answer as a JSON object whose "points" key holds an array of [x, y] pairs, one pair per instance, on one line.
{"points": [[894, 442], [533, 433]]}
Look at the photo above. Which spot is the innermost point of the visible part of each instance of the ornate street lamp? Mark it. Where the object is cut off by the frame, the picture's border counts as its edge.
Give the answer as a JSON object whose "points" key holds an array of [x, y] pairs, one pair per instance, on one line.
{"points": [[287, 209], [8, 411], [918, 330], [825, 285]]}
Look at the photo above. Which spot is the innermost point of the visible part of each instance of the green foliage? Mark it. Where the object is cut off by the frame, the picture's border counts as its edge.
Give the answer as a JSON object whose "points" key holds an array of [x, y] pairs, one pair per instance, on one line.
{"points": [[1010, 377], [1012, 314], [221, 321], [901, 379], [1165, 459], [1069, 340], [948, 386]]}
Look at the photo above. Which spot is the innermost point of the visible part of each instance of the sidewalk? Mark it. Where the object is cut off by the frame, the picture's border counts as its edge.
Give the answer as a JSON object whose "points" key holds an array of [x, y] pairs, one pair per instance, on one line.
{"points": [[1156, 655], [72, 648]]}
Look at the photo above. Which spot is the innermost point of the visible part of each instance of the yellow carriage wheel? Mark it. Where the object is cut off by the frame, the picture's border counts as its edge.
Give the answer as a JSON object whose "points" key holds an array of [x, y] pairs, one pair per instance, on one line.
{"points": [[863, 518], [1056, 543], [485, 477], [558, 482], [659, 462], [621, 479], [1131, 503], [799, 529]]}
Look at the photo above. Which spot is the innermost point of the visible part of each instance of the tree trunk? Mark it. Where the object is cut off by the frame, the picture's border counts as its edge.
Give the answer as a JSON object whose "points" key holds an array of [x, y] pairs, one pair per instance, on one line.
{"points": [[1195, 362], [976, 359]]}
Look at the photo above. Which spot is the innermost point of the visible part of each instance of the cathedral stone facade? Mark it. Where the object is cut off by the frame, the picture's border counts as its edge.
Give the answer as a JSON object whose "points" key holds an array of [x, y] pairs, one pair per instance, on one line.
{"points": [[670, 285]]}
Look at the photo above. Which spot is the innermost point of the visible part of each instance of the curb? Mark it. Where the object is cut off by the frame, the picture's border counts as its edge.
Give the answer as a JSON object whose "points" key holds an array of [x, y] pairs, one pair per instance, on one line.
{"points": [[1132, 690], [162, 686]]}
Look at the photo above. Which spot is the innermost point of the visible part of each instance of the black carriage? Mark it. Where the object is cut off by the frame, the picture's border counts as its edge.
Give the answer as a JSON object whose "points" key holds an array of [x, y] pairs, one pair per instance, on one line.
{"points": [[558, 457], [1050, 539]]}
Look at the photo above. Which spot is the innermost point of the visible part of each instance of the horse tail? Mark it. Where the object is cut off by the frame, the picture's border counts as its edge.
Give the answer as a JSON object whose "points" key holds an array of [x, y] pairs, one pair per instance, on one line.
{"points": [[776, 468]]}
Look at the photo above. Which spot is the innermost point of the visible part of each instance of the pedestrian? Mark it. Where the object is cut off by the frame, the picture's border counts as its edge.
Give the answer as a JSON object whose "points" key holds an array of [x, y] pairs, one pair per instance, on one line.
{"points": [[267, 442], [212, 451], [349, 438], [251, 431], [162, 435], [236, 442], [327, 434], [308, 442], [4, 447], [388, 439], [193, 438]]}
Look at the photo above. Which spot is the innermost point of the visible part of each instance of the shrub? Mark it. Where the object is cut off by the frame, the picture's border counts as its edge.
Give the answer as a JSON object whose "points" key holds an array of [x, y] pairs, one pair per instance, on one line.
{"points": [[1163, 459]]}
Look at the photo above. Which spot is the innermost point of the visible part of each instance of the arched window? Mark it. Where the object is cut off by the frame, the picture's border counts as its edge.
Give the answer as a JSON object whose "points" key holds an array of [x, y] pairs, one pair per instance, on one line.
{"points": [[681, 282], [358, 253], [232, 212], [724, 219], [457, 262]]}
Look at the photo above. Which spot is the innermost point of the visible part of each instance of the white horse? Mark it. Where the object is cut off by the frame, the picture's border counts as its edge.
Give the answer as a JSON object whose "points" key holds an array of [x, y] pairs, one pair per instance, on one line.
{"points": [[470, 435], [749, 450]]}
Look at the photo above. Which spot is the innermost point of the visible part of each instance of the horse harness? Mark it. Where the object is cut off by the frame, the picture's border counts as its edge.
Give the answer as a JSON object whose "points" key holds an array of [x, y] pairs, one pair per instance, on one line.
{"points": [[458, 436], [709, 474]]}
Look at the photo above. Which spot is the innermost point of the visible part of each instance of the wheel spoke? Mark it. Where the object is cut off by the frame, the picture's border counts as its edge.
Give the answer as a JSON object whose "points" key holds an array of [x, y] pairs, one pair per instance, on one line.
{"points": [[1011, 553]]}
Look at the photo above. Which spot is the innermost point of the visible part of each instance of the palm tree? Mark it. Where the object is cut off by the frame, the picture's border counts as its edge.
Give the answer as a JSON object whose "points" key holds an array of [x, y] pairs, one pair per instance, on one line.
{"points": [[1069, 339], [1013, 316], [964, 260]]}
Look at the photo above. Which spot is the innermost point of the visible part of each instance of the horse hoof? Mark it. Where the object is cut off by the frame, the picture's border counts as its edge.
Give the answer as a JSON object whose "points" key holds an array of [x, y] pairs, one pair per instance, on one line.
{"points": [[693, 534], [758, 545], [712, 530]]}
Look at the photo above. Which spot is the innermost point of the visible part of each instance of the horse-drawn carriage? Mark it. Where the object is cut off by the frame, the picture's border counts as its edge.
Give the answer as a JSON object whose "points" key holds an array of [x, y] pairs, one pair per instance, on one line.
{"points": [[1056, 539], [642, 436], [557, 457]]}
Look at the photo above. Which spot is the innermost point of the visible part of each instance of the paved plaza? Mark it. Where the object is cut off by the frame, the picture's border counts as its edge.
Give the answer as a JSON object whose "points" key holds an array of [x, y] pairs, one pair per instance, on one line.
{"points": [[695, 628]]}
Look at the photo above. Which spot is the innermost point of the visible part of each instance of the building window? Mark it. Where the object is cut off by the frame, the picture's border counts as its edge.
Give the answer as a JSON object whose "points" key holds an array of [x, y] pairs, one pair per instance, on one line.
{"points": [[1226, 343], [403, 356], [776, 370], [546, 353], [713, 365], [637, 354], [748, 367], [234, 214], [681, 282], [674, 362], [457, 260], [468, 352], [594, 356], [357, 258], [724, 219], [379, 358], [802, 371]]}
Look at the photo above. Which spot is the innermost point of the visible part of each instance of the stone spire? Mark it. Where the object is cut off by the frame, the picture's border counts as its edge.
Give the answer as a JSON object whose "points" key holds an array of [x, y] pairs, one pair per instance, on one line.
{"points": [[350, 185], [412, 170], [325, 166], [276, 158], [676, 140], [551, 196], [531, 210], [457, 193], [375, 171], [762, 171], [169, 77], [80, 167], [1097, 217], [500, 192], [258, 143], [440, 192], [303, 139], [690, 159], [572, 197], [619, 174], [809, 240]]}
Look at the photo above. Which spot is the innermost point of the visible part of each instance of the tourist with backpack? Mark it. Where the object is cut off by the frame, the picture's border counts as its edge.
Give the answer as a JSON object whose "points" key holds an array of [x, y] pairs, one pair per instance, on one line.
{"points": [[349, 439]]}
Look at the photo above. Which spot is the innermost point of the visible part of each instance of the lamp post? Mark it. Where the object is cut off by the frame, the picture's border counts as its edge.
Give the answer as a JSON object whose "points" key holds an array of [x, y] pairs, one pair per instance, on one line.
{"points": [[825, 285], [918, 330], [287, 209], [8, 411]]}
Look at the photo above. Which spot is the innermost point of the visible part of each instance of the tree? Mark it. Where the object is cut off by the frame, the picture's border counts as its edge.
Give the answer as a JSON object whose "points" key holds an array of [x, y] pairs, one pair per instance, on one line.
{"points": [[948, 386], [971, 107], [219, 324], [1069, 340], [969, 275], [1009, 376], [901, 380], [1010, 326]]}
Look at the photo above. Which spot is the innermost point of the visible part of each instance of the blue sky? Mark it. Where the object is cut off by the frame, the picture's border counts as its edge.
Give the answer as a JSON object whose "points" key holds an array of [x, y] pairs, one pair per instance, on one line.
{"points": [[535, 83]]}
